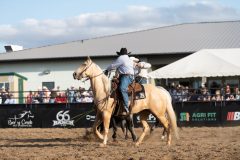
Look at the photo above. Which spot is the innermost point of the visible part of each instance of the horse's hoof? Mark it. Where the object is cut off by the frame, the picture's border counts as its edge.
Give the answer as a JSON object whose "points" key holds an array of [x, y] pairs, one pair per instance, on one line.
{"points": [[102, 145], [151, 130], [135, 139], [137, 144]]}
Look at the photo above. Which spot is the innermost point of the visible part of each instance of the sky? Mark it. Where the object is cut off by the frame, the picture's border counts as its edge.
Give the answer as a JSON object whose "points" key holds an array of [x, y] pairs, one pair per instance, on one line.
{"points": [[37, 23]]}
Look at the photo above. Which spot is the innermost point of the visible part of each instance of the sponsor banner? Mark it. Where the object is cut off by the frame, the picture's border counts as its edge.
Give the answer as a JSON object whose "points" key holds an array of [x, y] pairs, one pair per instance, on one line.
{"points": [[231, 113], [63, 119], [90, 117], [198, 113], [204, 116], [198, 116], [184, 116], [151, 119], [233, 116], [23, 119]]}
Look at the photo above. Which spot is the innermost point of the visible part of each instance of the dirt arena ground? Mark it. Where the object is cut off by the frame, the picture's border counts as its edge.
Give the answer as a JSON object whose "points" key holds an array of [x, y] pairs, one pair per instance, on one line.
{"points": [[215, 143]]}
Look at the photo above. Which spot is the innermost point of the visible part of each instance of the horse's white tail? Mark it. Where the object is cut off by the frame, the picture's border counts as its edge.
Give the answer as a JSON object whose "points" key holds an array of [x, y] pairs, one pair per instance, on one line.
{"points": [[172, 117]]}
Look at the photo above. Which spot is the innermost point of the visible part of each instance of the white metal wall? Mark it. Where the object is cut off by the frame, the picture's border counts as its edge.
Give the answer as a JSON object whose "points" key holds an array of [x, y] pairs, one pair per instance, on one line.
{"points": [[60, 72]]}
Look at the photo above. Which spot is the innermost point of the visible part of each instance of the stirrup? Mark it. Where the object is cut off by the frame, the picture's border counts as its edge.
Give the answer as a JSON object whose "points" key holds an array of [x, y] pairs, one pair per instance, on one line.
{"points": [[125, 113]]}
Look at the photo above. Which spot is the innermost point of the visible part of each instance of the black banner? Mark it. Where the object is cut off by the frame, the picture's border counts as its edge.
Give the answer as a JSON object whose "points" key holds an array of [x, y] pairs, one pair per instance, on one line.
{"points": [[47, 115], [198, 113], [83, 115], [231, 113], [208, 113]]}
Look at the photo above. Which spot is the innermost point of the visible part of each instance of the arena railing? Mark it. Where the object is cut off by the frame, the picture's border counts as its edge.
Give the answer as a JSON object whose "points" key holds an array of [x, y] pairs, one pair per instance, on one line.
{"points": [[85, 96], [36, 97]]}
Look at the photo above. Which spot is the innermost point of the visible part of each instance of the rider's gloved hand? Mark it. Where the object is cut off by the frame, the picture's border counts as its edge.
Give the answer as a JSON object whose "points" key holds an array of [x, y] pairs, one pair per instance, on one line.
{"points": [[105, 72]]}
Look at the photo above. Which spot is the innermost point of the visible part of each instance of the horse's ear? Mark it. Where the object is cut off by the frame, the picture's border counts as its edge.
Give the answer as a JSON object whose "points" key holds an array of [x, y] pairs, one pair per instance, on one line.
{"points": [[88, 59]]}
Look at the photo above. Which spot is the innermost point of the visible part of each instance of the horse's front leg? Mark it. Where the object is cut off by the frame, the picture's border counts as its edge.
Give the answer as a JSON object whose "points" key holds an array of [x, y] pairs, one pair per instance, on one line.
{"points": [[106, 122], [97, 122], [114, 126], [124, 128]]}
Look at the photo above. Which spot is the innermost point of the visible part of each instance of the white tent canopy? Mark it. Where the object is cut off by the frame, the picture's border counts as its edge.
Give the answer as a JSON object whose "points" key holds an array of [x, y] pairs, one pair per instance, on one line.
{"points": [[204, 63]]}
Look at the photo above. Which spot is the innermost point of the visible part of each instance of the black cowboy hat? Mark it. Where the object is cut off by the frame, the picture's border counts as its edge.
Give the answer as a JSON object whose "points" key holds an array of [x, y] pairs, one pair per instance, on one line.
{"points": [[123, 51]]}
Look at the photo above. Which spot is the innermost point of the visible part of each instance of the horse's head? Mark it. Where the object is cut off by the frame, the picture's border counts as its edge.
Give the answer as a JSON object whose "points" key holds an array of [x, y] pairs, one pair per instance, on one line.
{"points": [[83, 70]]}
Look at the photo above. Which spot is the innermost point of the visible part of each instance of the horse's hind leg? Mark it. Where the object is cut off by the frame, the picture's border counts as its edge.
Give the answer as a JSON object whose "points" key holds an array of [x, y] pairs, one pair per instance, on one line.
{"points": [[164, 133], [154, 126], [143, 119], [166, 126], [130, 127]]}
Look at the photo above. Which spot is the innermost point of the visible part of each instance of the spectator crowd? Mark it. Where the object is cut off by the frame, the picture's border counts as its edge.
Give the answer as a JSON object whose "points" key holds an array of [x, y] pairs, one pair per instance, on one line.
{"points": [[71, 95], [44, 95], [184, 93], [6, 97], [80, 95]]}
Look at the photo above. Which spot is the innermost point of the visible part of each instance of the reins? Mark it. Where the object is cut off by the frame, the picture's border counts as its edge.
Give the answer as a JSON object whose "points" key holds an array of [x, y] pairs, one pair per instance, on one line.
{"points": [[89, 77], [92, 77]]}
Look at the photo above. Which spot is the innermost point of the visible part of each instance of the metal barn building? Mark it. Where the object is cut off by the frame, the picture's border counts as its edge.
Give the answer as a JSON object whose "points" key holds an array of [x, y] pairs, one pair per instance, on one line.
{"points": [[53, 65]]}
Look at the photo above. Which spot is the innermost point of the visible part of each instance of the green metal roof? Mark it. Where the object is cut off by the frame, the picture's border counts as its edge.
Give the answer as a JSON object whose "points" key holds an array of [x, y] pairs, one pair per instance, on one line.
{"points": [[13, 74]]}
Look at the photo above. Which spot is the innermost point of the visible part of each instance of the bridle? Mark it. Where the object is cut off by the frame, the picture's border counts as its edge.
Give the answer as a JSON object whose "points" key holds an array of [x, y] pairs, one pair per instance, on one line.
{"points": [[85, 69], [89, 77]]}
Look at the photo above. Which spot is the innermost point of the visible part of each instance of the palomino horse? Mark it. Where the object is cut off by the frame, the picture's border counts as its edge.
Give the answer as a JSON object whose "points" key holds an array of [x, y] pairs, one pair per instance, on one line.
{"points": [[157, 101]]}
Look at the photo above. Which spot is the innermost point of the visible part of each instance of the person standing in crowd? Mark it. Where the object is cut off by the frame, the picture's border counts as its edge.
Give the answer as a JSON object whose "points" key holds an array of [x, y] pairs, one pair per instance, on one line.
{"points": [[228, 95], [86, 97], [10, 99], [29, 98], [39, 96], [236, 94], [124, 66], [141, 70], [4, 95], [46, 94], [61, 98], [53, 95], [217, 96], [70, 94], [205, 95]]}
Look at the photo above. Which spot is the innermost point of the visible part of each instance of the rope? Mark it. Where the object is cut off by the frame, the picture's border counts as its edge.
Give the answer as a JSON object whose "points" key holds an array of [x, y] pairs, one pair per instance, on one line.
{"points": [[81, 115]]}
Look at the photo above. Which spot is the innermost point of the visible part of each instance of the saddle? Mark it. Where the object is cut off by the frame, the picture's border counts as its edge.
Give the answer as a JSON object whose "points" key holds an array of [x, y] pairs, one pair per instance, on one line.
{"points": [[136, 91]]}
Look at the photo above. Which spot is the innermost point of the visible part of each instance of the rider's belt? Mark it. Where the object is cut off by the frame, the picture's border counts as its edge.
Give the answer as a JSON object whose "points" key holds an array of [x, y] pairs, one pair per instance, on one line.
{"points": [[126, 74]]}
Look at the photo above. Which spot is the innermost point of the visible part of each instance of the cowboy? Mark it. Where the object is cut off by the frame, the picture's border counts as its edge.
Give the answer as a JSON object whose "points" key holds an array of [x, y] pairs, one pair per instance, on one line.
{"points": [[141, 70], [124, 66]]}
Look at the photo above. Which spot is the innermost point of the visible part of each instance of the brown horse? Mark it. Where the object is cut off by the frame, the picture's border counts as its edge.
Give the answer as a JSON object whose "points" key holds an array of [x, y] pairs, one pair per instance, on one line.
{"points": [[157, 101]]}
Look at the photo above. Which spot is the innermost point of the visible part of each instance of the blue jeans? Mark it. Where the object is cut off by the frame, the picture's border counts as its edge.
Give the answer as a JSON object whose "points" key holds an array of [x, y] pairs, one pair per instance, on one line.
{"points": [[141, 80], [125, 81]]}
